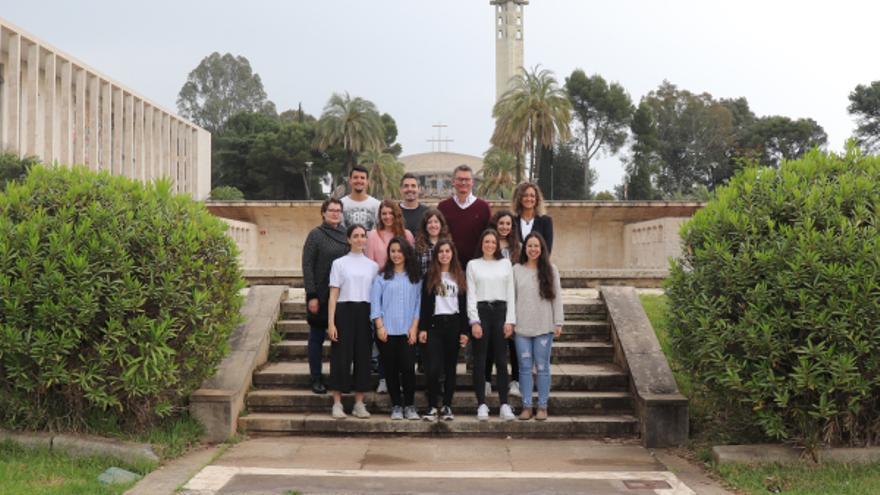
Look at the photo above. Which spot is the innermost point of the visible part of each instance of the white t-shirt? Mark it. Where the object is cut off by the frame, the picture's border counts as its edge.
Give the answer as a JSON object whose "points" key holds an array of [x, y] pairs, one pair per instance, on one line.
{"points": [[525, 226], [353, 274], [363, 212], [447, 304]]}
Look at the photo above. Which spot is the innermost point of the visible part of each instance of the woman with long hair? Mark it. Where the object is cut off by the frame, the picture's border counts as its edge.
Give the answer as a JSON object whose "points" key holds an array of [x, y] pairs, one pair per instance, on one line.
{"points": [[395, 303], [537, 281], [443, 325], [528, 203], [492, 313], [432, 229], [389, 225], [351, 278], [504, 222]]}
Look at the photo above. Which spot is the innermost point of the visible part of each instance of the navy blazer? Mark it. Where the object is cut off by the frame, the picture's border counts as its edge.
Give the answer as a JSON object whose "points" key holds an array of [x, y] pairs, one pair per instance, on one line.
{"points": [[543, 224]]}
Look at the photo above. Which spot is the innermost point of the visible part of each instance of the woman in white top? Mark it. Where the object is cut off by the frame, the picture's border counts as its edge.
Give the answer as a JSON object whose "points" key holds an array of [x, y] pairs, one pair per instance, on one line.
{"points": [[504, 222], [491, 311], [539, 319], [349, 329]]}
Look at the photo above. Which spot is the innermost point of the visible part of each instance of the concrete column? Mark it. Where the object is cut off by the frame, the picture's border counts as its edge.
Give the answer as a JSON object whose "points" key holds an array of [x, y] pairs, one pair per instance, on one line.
{"points": [[202, 158], [187, 169], [106, 126], [175, 155], [128, 136], [65, 129], [12, 94], [34, 125], [138, 141], [50, 108], [149, 169], [164, 153], [116, 166], [94, 123], [79, 136]]}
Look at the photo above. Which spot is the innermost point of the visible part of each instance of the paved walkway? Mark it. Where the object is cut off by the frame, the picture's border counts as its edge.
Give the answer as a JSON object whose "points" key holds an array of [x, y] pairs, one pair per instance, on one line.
{"points": [[283, 465]]}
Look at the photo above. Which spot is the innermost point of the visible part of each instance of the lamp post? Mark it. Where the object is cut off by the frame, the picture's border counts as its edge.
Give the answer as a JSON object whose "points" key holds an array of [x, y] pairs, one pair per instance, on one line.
{"points": [[308, 178]]}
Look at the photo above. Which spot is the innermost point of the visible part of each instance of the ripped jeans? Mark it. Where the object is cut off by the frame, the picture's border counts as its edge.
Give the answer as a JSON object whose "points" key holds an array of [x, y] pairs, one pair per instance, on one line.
{"points": [[534, 352]]}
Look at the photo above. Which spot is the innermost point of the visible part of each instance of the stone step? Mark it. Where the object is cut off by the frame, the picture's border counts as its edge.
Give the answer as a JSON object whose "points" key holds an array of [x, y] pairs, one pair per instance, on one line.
{"points": [[557, 426], [589, 330], [563, 352], [584, 309], [561, 402], [588, 377]]}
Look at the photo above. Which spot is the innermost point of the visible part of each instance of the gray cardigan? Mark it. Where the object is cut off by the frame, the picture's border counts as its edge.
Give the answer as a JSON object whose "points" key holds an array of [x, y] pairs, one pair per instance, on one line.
{"points": [[323, 245], [536, 316]]}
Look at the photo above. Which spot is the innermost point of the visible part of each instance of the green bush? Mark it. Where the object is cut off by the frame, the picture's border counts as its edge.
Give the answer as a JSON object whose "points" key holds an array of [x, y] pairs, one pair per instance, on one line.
{"points": [[227, 193], [775, 304], [116, 299], [13, 168]]}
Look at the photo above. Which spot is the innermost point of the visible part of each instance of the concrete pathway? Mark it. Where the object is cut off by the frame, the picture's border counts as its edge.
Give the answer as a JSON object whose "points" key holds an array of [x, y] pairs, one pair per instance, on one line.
{"points": [[283, 465]]}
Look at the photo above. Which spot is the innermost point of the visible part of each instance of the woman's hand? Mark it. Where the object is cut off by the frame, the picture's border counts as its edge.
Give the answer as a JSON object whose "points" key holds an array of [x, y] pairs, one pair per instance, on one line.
{"points": [[508, 330], [477, 330], [314, 305], [462, 340], [411, 336], [423, 337], [332, 334], [382, 334], [557, 331]]}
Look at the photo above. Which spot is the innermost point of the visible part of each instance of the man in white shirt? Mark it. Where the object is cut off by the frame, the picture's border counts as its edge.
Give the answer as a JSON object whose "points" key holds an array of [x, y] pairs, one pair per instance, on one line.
{"points": [[359, 207]]}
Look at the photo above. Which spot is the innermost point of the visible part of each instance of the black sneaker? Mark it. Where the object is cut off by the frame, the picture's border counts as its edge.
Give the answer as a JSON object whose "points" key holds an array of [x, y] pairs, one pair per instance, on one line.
{"points": [[318, 387], [446, 413], [431, 415]]}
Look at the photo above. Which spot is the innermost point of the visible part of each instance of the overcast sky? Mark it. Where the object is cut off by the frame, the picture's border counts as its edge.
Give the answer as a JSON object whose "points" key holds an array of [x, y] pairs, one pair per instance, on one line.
{"points": [[426, 62]]}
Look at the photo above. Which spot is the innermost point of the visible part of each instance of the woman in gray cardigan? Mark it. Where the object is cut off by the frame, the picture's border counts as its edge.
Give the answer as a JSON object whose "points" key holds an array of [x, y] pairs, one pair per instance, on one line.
{"points": [[323, 245], [539, 318]]}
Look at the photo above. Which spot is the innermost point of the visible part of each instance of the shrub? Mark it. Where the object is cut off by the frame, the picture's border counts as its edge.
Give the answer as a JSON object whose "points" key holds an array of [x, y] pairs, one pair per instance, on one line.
{"points": [[775, 303], [13, 168], [116, 298], [226, 193]]}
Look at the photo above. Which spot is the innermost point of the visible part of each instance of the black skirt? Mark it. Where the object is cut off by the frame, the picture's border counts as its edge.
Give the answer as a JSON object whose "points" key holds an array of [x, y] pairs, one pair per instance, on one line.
{"points": [[353, 346]]}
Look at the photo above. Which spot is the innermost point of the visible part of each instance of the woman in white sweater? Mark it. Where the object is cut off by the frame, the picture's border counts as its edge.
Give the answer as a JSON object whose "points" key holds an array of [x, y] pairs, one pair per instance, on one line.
{"points": [[492, 314], [539, 318]]}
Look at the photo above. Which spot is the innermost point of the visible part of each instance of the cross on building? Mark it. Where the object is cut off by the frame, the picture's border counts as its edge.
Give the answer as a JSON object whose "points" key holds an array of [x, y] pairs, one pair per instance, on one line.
{"points": [[439, 140]]}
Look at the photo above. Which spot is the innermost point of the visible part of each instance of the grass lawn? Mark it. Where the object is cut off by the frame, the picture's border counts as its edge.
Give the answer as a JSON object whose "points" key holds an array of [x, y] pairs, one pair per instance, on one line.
{"points": [[800, 479], [41, 471]]}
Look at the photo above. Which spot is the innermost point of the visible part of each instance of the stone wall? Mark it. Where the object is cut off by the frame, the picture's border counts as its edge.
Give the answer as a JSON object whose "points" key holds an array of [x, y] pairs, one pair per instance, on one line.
{"points": [[627, 239]]}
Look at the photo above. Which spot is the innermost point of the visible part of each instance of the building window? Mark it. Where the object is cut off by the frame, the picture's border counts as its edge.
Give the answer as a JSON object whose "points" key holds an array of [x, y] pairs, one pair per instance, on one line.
{"points": [[500, 34], [519, 34]]}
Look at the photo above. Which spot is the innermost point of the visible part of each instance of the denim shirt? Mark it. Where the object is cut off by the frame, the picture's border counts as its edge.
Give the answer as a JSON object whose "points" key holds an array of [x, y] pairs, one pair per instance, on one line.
{"points": [[396, 301]]}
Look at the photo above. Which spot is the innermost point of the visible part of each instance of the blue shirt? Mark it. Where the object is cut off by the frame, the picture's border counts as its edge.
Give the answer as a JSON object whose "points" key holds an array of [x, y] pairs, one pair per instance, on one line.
{"points": [[396, 301]]}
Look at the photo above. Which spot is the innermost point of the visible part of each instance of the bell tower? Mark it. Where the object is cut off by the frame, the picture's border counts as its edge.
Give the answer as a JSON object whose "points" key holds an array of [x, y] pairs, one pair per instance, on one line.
{"points": [[508, 22]]}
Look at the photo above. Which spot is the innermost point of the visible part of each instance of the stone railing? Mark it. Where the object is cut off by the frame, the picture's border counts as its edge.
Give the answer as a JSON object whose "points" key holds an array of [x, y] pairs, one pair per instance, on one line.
{"points": [[60, 110], [652, 243], [245, 236]]}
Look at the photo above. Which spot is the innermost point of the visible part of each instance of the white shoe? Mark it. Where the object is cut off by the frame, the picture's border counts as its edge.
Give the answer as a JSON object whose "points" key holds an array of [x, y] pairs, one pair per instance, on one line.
{"points": [[410, 413], [360, 411], [382, 388], [488, 388], [506, 413], [514, 389], [483, 412], [337, 412], [396, 413]]}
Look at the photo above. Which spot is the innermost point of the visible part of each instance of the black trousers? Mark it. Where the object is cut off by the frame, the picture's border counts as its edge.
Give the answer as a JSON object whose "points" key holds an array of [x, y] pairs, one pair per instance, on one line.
{"points": [[442, 357], [354, 345], [514, 362], [492, 315], [399, 359]]}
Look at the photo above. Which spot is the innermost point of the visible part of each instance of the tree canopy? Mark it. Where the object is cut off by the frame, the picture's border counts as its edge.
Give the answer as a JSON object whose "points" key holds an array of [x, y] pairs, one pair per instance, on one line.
{"points": [[865, 106], [353, 124]]}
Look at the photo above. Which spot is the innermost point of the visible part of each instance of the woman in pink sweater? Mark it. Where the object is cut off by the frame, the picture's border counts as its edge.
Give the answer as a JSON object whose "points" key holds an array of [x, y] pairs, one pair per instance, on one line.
{"points": [[390, 224]]}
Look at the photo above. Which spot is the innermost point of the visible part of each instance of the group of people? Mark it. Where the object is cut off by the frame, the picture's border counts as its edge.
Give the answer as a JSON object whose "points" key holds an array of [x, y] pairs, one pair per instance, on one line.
{"points": [[417, 284]]}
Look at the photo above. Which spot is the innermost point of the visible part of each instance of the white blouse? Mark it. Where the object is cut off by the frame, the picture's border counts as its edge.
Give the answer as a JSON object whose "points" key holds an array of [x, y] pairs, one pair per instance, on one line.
{"points": [[353, 274]]}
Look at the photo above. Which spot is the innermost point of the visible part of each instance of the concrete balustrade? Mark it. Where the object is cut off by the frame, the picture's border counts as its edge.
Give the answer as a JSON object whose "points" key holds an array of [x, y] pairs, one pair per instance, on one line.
{"points": [[57, 108]]}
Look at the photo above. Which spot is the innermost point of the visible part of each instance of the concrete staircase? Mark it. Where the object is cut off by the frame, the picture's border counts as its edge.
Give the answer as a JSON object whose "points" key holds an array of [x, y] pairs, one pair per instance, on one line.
{"points": [[590, 394]]}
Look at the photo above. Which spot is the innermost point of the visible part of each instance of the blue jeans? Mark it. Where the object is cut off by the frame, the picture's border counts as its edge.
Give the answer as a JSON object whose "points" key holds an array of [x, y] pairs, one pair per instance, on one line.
{"points": [[316, 346], [534, 351]]}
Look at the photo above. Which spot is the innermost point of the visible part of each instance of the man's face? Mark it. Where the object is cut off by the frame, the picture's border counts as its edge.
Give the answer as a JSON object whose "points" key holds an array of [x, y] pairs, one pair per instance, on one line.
{"points": [[410, 190], [359, 181], [463, 182]]}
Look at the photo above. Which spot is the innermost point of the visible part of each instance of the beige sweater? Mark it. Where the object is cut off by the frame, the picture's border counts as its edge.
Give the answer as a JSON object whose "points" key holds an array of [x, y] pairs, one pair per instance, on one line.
{"points": [[536, 316]]}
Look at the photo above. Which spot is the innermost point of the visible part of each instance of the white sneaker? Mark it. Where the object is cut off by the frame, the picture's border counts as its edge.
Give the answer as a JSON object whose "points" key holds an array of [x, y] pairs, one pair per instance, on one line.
{"points": [[382, 388], [411, 413], [483, 412], [506, 413], [360, 411], [337, 412], [514, 389], [488, 388], [396, 413]]}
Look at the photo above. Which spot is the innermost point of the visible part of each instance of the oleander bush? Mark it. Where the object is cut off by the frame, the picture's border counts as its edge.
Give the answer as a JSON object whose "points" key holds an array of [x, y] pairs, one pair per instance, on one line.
{"points": [[227, 193], [14, 168], [116, 299], [775, 303]]}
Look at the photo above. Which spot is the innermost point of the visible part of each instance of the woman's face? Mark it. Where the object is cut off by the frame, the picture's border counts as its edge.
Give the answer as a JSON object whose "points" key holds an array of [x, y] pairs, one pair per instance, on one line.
{"points": [[433, 226], [333, 214], [444, 255], [504, 226], [489, 245], [358, 240], [386, 214], [533, 248], [529, 198], [396, 254]]}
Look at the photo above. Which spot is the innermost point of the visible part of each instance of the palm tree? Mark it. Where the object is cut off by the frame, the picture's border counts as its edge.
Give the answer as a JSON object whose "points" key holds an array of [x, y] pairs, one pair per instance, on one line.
{"points": [[533, 114], [352, 123], [499, 168], [385, 173]]}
